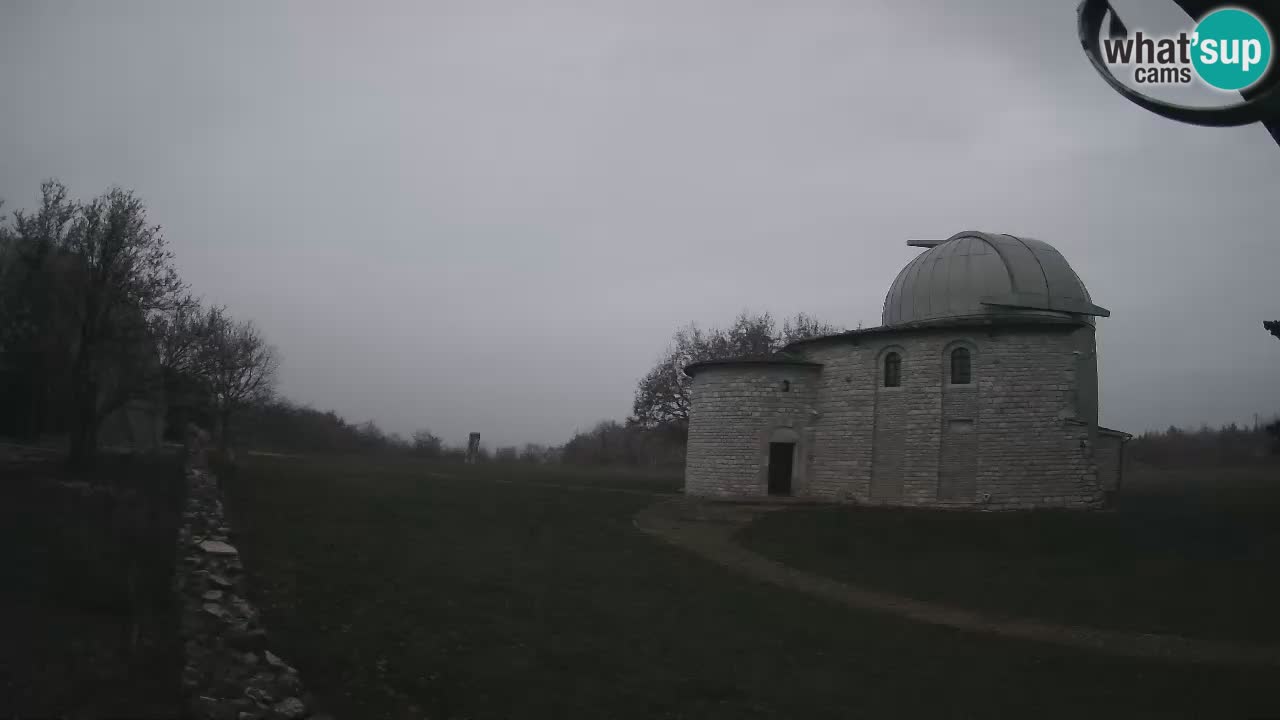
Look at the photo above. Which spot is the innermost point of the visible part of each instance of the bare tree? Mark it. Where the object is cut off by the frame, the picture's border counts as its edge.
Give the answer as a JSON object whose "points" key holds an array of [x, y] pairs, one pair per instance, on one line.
{"points": [[533, 453], [803, 327], [27, 247], [177, 332], [116, 272], [237, 364], [427, 445], [662, 395], [80, 282]]}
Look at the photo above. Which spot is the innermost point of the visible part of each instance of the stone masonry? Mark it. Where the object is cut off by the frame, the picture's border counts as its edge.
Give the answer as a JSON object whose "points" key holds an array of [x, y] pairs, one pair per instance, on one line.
{"points": [[230, 672], [1009, 431], [739, 407]]}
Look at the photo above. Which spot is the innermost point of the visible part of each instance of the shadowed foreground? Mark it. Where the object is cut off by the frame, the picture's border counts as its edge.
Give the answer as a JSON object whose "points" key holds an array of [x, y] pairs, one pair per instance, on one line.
{"points": [[713, 531], [1187, 553], [401, 594], [87, 621]]}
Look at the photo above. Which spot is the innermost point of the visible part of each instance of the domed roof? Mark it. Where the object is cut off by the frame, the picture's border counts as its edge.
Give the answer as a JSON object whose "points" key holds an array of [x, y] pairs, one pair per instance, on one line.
{"points": [[975, 273]]}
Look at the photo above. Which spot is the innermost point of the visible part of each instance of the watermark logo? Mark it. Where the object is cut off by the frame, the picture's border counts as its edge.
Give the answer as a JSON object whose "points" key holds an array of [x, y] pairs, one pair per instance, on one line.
{"points": [[1229, 49]]}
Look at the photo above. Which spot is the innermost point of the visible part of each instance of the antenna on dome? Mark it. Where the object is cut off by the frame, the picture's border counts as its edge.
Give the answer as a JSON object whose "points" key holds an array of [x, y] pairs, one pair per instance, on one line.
{"points": [[925, 243]]}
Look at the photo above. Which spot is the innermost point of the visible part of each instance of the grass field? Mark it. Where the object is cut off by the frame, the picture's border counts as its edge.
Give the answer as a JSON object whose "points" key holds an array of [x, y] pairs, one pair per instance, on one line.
{"points": [[88, 627], [1186, 552], [413, 590]]}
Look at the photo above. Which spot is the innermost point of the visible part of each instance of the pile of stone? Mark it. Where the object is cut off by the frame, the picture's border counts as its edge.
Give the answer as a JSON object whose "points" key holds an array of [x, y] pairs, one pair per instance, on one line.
{"points": [[230, 674]]}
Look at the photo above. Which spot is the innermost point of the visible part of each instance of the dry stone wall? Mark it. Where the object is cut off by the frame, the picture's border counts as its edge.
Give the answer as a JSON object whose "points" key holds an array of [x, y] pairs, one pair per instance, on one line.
{"points": [[230, 671]]}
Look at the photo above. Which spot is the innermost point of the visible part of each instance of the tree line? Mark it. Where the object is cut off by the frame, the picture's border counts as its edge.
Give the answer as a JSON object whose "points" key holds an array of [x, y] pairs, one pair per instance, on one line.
{"points": [[1230, 444], [95, 320]]}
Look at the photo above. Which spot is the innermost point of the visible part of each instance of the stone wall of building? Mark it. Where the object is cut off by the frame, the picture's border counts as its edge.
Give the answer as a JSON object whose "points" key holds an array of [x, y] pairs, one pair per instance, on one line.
{"points": [[1022, 433], [1001, 441], [736, 411]]}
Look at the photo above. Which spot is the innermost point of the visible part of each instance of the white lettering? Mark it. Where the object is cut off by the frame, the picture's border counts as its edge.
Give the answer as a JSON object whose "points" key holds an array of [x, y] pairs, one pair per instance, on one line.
{"points": [[1230, 51], [1252, 54], [1209, 51]]}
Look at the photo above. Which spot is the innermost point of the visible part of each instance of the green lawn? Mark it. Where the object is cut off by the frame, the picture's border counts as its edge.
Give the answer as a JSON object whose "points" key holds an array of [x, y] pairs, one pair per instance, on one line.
{"points": [[402, 593], [1185, 552]]}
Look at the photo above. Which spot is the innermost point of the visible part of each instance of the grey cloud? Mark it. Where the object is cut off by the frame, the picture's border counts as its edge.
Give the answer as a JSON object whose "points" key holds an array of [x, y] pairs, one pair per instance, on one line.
{"points": [[491, 216]]}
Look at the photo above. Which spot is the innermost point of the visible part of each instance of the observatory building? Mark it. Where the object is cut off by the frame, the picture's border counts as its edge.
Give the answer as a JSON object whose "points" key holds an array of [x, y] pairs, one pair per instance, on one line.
{"points": [[979, 389]]}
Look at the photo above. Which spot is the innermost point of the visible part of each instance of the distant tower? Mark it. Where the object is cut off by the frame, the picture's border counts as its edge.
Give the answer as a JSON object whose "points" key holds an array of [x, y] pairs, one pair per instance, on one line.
{"points": [[473, 447]]}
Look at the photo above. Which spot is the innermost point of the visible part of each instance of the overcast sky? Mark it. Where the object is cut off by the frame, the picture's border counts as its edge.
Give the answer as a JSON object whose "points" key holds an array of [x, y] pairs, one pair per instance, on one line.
{"points": [[491, 216]]}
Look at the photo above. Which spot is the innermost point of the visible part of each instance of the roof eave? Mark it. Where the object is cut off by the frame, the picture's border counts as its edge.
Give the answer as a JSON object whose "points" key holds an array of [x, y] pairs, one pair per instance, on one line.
{"points": [[1024, 302], [941, 324]]}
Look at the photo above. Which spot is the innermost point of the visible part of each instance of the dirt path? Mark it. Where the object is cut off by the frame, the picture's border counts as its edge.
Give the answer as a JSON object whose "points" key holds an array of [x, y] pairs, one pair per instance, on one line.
{"points": [[707, 529]]}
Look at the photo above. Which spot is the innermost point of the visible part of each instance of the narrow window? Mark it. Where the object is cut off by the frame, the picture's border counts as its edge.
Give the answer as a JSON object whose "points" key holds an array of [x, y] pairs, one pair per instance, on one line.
{"points": [[960, 372], [786, 386], [892, 370]]}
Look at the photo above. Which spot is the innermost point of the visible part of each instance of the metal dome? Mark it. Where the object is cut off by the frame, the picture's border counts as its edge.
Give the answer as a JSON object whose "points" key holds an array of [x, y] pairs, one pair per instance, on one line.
{"points": [[973, 274]]}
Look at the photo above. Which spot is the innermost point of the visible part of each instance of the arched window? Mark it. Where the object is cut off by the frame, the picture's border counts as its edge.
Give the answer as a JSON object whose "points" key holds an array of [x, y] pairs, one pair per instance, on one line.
{"points": [[892, 370], [961, 373]]}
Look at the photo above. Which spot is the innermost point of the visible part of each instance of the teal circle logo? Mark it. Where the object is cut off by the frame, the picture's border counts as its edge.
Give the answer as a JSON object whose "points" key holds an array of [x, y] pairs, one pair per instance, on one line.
{"points": [[1232, 49]]}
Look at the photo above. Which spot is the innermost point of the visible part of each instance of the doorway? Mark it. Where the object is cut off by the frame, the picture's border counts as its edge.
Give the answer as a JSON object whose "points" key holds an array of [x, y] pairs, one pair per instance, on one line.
{"points": [[781, 456]]}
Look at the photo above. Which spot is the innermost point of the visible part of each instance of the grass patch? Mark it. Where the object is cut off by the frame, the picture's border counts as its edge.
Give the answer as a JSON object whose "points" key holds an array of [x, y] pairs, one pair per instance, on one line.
{"points": [[401, 466], [87, 616], [404, 593], [1183, 553]]}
